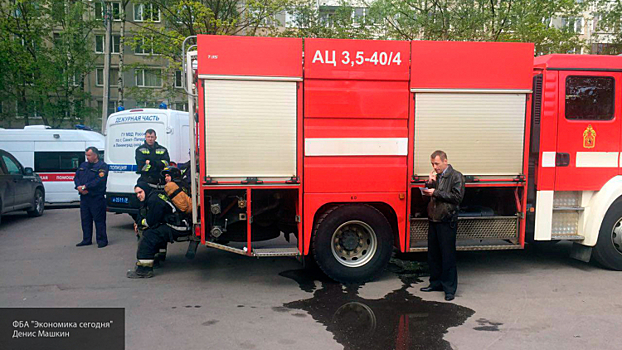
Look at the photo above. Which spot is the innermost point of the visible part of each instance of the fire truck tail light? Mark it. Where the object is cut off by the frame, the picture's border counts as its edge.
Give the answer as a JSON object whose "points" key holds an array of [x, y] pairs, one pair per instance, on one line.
{"points": [[567, 199], [565, 223]]}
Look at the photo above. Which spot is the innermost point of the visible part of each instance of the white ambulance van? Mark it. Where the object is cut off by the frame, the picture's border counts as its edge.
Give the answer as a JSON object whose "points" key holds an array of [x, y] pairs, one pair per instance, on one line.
{"points": [[54, 154], [125, 131]]}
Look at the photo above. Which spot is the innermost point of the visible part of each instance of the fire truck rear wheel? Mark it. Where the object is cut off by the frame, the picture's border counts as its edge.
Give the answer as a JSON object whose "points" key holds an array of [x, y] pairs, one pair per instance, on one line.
{"points": [[608, 249], [352, 243]]}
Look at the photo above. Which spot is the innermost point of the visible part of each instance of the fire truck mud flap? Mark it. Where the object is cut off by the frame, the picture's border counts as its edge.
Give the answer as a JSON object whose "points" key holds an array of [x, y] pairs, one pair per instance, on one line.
{"points": [[352, 243], [608, 249]]}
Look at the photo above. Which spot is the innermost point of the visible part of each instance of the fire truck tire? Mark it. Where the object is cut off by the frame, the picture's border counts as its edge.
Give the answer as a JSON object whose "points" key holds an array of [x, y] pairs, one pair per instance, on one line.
{"points": [[352, 243], [608, 249]]}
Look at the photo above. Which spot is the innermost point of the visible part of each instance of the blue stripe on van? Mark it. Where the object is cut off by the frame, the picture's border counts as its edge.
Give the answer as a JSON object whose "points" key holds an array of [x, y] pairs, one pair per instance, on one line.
{"points": [[122, 167]]}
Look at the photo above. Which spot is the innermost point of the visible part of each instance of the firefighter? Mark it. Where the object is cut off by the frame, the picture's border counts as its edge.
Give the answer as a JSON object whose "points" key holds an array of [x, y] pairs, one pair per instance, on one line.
{"points": [[151, 158], [90, 181], [445, 188], [162, 223], [176, 191]]}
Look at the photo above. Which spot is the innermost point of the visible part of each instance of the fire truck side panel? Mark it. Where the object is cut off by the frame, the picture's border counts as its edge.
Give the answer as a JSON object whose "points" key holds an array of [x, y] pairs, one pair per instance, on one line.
{"points": [[356, 144], [548, 132], [249, 56], [356, 99], [545, 179], [314, 203], [591, 143], [355, 174], [471, 65], [337, 59]]}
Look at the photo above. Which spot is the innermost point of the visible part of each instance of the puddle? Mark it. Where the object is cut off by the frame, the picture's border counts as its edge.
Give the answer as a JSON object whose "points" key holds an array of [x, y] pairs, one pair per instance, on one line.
{"points": [[398, 321]]}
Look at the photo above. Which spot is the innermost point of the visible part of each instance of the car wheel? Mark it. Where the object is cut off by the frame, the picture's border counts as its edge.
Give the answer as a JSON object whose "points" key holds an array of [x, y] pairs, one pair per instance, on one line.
{"points": [[38, 205], [352, 243]]}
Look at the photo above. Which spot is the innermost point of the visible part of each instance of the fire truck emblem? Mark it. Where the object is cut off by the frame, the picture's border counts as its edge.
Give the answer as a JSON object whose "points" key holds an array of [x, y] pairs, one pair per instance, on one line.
{"points": [[589, 137]]}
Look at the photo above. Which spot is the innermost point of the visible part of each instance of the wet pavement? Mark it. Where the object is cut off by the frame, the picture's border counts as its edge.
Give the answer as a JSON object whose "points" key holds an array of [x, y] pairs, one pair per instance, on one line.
{"points": [[398, 321], [536, 299]]}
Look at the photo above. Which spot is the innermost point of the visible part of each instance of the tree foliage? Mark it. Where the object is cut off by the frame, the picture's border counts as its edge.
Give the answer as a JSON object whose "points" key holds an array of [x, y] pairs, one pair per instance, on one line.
{"points": [[184, 18], [481, 20], [45, 55]]}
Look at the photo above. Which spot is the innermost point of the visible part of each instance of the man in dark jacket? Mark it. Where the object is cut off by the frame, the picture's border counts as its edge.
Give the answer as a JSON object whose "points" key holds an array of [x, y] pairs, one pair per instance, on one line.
{"points": [[446, 191], [151, 159], [160, 223], [90, 181]]}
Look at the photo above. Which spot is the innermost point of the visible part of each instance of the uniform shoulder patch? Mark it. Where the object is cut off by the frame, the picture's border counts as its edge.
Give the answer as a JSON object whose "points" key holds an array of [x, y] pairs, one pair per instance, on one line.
{"points": [[102, 173]]}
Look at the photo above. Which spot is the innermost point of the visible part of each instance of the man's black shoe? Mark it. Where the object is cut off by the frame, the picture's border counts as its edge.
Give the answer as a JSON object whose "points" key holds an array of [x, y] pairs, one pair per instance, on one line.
{"points": [[431, 289], [449, 297], [101, 245], [83, 243]]}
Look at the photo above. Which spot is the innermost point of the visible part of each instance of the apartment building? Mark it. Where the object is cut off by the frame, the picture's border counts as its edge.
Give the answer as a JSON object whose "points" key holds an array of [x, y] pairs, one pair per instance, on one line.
{"points": [[144, 72]]}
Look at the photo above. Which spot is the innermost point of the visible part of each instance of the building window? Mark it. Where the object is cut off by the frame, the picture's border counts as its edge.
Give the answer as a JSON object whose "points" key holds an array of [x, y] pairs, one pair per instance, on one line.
{"points": [[115, 7], [99, 76], [148, 77], [99, 44], [148, 104], [146, 12], [178, 79], [180, 106], [574, 24], [589, 98], [115, 43], [143, 48]]}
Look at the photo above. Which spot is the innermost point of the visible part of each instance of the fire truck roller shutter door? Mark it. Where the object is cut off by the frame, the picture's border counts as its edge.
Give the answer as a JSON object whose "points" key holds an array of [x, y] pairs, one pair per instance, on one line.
{"points": [[251, 128], [483, 133], [352, 243]]}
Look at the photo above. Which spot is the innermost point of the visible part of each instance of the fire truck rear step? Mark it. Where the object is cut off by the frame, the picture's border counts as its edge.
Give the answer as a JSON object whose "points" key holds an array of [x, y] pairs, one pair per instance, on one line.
{"points": [[472, 247], [268, 252], [567, 237]]}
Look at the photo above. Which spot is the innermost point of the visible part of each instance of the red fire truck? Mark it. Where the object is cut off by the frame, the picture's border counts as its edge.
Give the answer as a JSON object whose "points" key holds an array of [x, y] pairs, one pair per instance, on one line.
{"points": [[327, 143]]}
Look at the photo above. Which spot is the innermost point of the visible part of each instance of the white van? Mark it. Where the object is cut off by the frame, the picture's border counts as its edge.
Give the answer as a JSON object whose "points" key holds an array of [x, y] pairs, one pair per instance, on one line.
{"points": [[54, 154], [125, 131]]}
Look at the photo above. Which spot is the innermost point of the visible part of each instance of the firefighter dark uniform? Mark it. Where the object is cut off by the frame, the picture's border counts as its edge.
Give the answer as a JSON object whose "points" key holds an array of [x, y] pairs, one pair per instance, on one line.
{"points": [[158, 158], [161, 223], [93, 204]]}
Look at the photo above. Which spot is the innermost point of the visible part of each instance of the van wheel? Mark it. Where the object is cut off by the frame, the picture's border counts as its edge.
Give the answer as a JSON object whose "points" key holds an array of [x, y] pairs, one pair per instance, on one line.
{"points": [[608, 249], [352, 243], [38, 204]]}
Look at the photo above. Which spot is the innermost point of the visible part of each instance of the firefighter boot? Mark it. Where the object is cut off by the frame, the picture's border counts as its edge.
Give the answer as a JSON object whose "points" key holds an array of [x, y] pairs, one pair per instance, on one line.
{"points": [[162, 255], [143, 269], [156, 262]]}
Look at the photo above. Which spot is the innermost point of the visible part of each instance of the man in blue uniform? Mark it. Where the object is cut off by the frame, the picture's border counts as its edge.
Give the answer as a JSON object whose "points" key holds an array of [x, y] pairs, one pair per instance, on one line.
{"points": [[90, 181]]}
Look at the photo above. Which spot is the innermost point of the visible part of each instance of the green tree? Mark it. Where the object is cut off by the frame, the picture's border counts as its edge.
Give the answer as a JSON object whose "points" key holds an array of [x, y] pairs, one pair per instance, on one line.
{"points": [[183, 18], [44, 57], [481, 20], [608, 17], [345, 21]]}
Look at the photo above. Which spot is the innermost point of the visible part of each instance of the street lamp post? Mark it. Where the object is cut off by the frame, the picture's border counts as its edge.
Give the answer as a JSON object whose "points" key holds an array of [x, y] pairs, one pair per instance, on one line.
{"points": [[108, 23]]}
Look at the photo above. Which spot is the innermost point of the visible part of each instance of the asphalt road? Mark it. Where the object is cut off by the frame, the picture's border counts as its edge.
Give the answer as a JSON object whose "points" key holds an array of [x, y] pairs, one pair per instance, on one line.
{"points": [[532, 299]]}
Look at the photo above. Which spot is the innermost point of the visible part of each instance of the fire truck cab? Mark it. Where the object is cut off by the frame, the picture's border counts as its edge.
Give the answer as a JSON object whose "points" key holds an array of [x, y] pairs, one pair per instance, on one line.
{"points": [[329, 145]]}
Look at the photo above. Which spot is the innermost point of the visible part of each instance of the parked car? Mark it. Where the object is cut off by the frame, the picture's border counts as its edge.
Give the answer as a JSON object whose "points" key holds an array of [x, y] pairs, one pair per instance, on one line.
{"points": [[20, 188]]}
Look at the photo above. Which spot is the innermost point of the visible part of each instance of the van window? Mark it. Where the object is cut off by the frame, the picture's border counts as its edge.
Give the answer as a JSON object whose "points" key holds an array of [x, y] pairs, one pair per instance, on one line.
{"points": [[589, 97], [58, 161]]}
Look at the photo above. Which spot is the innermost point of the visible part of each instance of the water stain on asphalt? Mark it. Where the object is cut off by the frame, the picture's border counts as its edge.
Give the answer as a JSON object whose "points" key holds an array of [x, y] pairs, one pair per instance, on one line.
{"points": [[398, 321], [488, 326], [209, 323]]}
